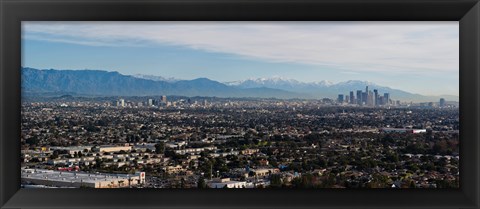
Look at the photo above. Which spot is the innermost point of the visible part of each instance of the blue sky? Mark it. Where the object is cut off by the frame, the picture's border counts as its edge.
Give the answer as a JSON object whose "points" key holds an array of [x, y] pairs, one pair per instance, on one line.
{"points": [[419, 57]]}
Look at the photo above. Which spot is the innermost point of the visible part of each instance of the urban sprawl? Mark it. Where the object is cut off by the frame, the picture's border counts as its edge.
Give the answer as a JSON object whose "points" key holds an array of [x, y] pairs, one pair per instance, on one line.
{"points": [[359, 140]]}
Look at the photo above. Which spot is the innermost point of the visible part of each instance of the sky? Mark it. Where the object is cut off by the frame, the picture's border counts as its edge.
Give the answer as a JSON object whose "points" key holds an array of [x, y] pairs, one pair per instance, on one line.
{"points": [[418, 57]]}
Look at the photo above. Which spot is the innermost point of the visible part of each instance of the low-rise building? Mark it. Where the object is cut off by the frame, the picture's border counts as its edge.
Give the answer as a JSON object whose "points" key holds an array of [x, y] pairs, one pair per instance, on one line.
{"points": [[72, 150], [249, 151], [110, 148], [79, 179], [226, 182], [403, 130]]}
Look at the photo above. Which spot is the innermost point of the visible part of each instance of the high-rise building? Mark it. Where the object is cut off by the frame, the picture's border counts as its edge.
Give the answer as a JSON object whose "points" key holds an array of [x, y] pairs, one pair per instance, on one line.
{"points": [[352, 98], [340, 98], [370, 99], [359, 97], [122, 102], [365, 97], [386, 98], [150, 102], [347, 99], [164, 99], [375, 97], [442, 102]]}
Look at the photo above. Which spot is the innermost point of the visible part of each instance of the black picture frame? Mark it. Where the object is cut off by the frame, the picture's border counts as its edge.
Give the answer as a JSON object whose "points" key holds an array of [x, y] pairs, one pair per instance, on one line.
{"points": [[12, 12]]}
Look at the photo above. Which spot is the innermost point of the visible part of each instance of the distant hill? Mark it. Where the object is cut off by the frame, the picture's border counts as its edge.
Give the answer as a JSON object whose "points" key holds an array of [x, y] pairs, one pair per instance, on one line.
{"points": [[103, 83]]}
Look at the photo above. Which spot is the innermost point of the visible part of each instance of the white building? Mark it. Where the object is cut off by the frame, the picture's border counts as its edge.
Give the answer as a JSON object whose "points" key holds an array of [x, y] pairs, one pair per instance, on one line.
{"points": [[194, 150], [226, 182], [53, 178], [110, 148], [403, 130]]}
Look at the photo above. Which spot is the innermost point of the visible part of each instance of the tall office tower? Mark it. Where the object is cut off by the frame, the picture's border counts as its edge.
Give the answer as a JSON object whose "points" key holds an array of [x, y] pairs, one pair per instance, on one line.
{"points": [[442, 102], [122, 102], [365, 97], [352, 98], [376, 97], [150, 102], [164, 99], [366, 94], [359, 97], [347, 99], [340, 98], [370, 99], [386, 98]]}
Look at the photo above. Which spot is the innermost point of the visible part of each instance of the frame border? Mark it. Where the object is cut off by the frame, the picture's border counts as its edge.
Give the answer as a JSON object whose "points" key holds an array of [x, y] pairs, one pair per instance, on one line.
{"points": [[12, 12]]}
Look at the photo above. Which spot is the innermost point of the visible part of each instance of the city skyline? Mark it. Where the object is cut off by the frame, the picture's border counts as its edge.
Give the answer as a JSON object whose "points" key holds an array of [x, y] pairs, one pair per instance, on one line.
{"points": [[410, 56]]}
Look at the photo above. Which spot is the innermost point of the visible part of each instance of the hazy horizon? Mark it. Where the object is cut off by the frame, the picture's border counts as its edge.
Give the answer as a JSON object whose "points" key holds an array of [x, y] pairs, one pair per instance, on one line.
{"points": [[234, 83]]}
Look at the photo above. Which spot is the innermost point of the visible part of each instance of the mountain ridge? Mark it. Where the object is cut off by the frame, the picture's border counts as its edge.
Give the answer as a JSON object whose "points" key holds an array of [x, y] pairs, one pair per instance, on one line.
{"points": [[112, 83], [105, 83]]}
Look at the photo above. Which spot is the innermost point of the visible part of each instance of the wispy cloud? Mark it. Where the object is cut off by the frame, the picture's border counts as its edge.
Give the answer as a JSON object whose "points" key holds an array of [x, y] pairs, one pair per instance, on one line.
{"points": [[396, 47]]}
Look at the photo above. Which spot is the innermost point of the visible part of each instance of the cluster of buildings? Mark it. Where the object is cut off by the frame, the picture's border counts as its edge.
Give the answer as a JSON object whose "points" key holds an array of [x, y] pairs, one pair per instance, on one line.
{"points": [[373, 98], [110, 155], [367, 98], [149, 103], [162, 102]]}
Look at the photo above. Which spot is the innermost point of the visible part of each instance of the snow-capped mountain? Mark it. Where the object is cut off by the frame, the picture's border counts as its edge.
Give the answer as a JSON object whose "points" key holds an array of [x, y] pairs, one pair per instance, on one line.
{"points": [[276, 82], [329, 89], [290, 84], [155, 78]]}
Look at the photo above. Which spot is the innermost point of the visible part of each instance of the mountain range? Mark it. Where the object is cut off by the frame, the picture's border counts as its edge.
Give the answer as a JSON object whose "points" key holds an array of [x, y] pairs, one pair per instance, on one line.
{"points": [[331, 90], [105, 83]]}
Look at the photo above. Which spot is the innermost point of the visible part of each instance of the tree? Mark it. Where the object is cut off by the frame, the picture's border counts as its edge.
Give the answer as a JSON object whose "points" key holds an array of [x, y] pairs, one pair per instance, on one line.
{"points": [[160, 148], [191, 164], [182, 183], [201, 184], [379, 181], [412, 184], [32, 141], [54, 155], [440, 147], [276, 181]]}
